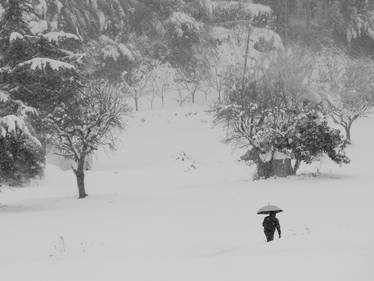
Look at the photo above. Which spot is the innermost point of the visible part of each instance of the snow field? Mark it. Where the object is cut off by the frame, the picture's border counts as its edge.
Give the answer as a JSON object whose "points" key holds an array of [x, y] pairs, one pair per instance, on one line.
{"points": [[150, 216]]}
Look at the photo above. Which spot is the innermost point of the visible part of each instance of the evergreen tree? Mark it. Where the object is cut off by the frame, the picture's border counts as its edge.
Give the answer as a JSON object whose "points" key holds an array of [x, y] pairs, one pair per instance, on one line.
{"points": [[37, 73], [13, 19]]}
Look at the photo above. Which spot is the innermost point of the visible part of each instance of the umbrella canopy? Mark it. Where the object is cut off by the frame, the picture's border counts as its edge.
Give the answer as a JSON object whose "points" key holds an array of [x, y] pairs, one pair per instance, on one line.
{"points": [[268, 209]]}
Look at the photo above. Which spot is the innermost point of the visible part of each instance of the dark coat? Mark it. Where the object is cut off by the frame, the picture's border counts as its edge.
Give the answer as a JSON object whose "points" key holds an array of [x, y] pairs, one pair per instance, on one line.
{"points": [[271, 224]]}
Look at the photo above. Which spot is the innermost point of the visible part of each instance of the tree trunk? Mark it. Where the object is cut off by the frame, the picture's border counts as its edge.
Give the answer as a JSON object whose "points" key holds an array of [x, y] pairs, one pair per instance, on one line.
{"points": [[296, 166], [274, 168], [162, 97], [193, 94], [264, 170], [79, 173], [282, 167], [80, 182], [152, 100], [348, 133], [136, 101]]}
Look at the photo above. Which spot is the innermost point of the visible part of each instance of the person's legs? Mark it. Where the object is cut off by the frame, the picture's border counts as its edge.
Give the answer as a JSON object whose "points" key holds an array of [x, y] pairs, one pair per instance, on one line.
{"points": [[269, 235], [272, 235]]}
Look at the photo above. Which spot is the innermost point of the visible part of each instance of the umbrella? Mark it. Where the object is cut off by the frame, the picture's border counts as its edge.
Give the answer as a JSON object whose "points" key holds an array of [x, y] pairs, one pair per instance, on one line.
{"points": [[269, 208]]}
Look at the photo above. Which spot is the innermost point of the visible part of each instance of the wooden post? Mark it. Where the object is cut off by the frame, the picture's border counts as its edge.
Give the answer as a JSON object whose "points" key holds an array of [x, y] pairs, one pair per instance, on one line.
{"points": [[246, 55]]}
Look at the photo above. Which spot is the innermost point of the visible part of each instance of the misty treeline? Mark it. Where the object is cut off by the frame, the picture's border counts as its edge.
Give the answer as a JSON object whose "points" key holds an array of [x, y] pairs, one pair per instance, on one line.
{"points": [[71, 71]]}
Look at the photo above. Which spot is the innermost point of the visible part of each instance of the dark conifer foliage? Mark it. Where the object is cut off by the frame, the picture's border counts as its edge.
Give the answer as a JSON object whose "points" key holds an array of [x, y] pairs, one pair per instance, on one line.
{"points": [[37, 73]]}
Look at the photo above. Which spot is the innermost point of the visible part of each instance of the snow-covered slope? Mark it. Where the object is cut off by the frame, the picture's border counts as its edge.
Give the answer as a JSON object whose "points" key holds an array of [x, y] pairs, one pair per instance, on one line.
{"points": [[151, 216]]}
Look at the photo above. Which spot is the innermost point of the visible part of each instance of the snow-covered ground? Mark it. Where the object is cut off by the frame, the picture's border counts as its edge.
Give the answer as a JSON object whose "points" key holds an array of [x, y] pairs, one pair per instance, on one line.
{"points": [[151, 216]]}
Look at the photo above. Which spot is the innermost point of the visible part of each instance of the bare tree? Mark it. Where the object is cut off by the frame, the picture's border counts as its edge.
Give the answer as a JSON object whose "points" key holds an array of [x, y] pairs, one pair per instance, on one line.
{"points": [[217, 73], [163, 78], [191, 80], [136, 82], [182, 98], [86, 124], [347, 87], [346, 116]]}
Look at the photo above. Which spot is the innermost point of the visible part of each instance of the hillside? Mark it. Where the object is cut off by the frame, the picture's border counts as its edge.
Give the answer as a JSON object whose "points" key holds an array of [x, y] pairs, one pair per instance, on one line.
{"points": [[152, 216]]}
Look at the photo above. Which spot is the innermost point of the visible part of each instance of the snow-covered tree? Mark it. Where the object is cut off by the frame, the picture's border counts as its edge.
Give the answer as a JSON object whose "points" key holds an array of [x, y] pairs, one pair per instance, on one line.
{"points": [[275, 115], [242, 35], [226, 56], [231, 50], [86, 123], [119, 33], [188, 42], [108, 59], [37, 71], [21, 153], [353, 20], [233, 11]]}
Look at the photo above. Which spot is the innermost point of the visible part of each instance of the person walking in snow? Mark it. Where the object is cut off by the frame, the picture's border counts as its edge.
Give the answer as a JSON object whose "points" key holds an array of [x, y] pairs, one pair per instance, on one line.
{"points": [[270, 224]]}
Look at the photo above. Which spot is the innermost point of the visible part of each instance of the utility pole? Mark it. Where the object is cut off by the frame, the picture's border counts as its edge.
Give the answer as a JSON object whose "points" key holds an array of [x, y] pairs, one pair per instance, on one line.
{"points": [[249, 28], [286, 19], [246, 55]]}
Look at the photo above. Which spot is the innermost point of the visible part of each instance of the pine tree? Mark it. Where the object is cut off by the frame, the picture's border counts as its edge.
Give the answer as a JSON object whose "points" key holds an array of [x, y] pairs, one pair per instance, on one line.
{"points": [[13, 19], [37, 73]]}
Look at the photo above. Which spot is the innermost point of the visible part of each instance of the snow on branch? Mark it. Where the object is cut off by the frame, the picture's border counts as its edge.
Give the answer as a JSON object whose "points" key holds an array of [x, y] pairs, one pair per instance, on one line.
{"points": [[114, 50], [39, 26], [181, 21], [125, 51], [258, 9], [268, 35], [15, 36], [236, 10], [71, 56], [12, 123], [4, 97], [220, 33], [101, 109], [43, 63], [57, 36], [23, 109]]}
